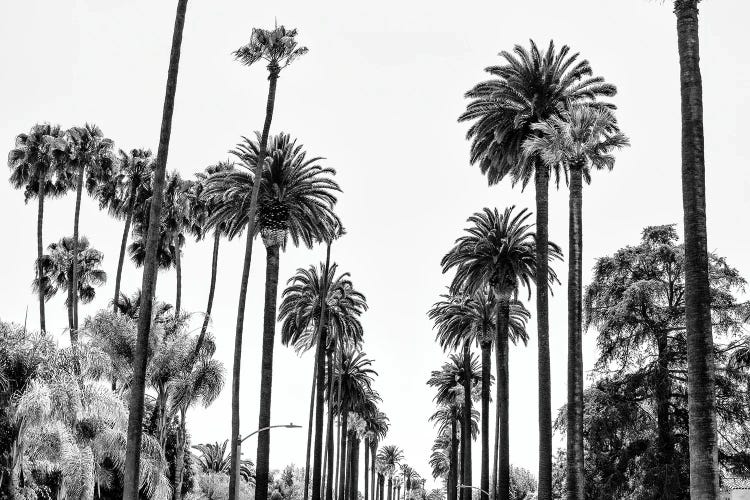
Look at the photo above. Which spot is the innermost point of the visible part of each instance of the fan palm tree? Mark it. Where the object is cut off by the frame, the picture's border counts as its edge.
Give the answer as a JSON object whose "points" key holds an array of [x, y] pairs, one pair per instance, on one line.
{"points": [[296, 201], [125, 195], [148, 286], [529, 87], [499, 252], [36, 167], [57, 273], [308, 293], [580, 140], [279, 48], [704, 468], [89, 152], [390, 457]]}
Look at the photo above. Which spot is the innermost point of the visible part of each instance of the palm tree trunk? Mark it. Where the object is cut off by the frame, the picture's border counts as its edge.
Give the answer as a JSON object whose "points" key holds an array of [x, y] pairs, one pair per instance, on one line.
{"points": [[367, 468], [73, 283], [484, 482], [252, 210], [541, 183], [353, 475], [148, 287], [179, 461], [574, 434], [330, 465], [266, 372], [342, 467], [664, 431], [493, 486], [69, 306], [453, 466], [310, 424], [373, 455], [390, 488], [123, 246], [39, 253], [211, 291], [178, 269], [338, 454], [466, 430], [704, 471], [503, 314]]}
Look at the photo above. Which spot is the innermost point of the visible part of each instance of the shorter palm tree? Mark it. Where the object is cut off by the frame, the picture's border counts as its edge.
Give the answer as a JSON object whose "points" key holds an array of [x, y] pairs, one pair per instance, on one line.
{"points": [[390, 457], [57, 272], [213, 457]]}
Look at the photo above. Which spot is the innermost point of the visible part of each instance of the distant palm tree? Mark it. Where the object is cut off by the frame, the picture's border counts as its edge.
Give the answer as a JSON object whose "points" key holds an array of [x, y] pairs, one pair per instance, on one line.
{"points": [[125, 195], [36, 167], [57, 274], [530, 86], [89, 152], [297, 197], [213, 458], [131, 480], [498, 252], [579, 141], [390, 456], [376, 426], [279, 48]]}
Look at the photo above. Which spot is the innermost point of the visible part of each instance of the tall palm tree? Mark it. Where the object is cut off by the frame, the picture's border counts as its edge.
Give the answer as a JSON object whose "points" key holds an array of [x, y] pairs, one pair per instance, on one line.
{"points": [[126, 195], [581, 140], [704, 468], [529, 87], [279, 48], [499, 252], [37, 168], [89, 152], [390, 456], [296, 200], [308, 293], [57, 274], [131, 481], [376, 426]]}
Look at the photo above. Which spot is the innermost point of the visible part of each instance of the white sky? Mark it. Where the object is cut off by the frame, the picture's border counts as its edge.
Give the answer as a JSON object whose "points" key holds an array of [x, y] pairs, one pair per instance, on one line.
{"points": [[378, 95]]}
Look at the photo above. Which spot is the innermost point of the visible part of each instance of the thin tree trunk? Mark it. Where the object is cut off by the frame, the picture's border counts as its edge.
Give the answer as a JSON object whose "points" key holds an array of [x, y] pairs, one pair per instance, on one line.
{"points": [[179, 463], [704, 470], [310, 424], [373, 455], [453, 466], [484, 482], [330, 465], [669, 478], [338, 453], [541, 183], [390, 488], [211, 291], [252, 210], [73, 283], [353, 476], [367, 468], [131, 480], [266, 372], [574, 434], [495, 464], [39, 253], [503, 318], [342, 464], [178, 269], [123, 246], [322, 336], [466, 431]]}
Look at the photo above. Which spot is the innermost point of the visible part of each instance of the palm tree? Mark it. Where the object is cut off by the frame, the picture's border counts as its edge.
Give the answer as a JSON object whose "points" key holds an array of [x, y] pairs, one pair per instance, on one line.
{"points": [[36, 167], [57, 273], [201, 209], [581, 140], [531, 86], [704, 468], [89, 152], [440, 458], [278, 48], [376, 427], [131, 480], [213, 458], [126, 196], [313, 295], [296, 200], [390, 456], [498, 252]]}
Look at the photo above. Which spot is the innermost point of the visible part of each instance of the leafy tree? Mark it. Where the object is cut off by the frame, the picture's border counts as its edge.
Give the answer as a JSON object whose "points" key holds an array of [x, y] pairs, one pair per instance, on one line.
{"points": [[522, 483], [279, 48], [37, 167], [148, 285], [579, 141], [529, 87]]}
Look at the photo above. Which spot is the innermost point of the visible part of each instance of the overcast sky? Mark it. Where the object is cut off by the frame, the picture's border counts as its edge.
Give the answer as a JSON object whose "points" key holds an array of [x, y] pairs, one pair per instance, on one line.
{"points": [[378, 96]]}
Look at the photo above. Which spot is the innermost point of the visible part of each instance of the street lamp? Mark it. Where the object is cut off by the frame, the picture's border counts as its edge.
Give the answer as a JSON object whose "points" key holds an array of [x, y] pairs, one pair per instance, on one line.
{"points": [[239, 450]]}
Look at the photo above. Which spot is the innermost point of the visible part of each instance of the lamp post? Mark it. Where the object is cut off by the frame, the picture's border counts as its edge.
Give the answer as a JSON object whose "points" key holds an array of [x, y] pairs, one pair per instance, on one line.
{"points": [[239, 450]]}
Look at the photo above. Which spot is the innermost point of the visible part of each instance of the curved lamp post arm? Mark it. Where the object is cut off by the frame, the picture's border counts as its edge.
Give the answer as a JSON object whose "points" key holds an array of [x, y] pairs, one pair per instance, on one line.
{"points": [[286, 426]]}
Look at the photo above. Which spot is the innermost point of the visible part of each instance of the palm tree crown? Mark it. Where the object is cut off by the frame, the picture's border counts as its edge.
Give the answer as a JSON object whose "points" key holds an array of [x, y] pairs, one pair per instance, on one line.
{"points": [[37, 158], [277, 46], [57, 267]]}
